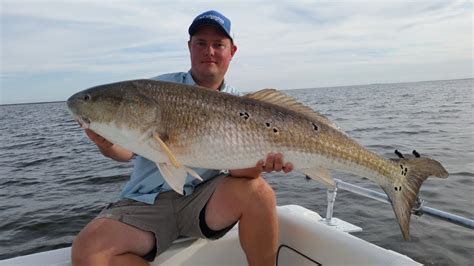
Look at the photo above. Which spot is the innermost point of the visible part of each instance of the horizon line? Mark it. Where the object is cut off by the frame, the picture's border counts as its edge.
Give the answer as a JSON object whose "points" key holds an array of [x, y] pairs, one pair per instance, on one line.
{"points": [[325, 87]]}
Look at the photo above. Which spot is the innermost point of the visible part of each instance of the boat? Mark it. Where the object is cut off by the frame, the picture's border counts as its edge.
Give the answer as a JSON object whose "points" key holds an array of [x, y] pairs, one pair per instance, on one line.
{"points": [[305, 238]]}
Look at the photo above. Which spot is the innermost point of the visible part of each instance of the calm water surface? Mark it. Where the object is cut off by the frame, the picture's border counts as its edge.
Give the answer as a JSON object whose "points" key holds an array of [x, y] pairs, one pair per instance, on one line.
{"points": [[53, 180]]}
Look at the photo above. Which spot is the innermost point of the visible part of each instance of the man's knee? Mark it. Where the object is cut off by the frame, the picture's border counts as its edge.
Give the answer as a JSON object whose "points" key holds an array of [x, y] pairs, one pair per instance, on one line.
{"points": [[103, 240], [88, 246], [259, 192], [81, 252], [84, 249]]}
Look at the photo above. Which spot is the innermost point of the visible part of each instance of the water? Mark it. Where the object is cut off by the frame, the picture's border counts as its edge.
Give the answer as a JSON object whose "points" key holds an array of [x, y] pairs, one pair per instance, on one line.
{"points": [[53, 180]]}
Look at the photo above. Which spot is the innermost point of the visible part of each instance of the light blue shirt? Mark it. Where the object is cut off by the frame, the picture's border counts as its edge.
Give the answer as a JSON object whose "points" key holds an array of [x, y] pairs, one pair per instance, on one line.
{"points": [[146, 181]]}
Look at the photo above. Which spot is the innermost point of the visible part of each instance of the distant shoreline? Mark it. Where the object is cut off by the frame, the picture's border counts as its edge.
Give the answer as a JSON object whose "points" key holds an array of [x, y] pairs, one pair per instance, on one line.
{"points": [[379, 83], [7, 104]]}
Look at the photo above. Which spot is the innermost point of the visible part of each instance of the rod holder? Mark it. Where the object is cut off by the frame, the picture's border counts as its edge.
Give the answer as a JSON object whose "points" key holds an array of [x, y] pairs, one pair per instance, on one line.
{"points": [[331, 194]]}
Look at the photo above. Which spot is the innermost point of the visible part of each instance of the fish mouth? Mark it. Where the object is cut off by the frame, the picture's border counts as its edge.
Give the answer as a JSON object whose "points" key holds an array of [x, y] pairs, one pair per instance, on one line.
{"points": [[84, 122]]}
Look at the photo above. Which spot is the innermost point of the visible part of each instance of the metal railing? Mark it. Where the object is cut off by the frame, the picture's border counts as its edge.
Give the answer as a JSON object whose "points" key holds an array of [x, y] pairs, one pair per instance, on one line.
{"points": [[418, 210]]}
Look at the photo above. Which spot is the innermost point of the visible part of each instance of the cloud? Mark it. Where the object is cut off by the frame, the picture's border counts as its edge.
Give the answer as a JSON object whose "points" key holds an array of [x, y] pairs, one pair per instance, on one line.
{"points": [[282, 44]]}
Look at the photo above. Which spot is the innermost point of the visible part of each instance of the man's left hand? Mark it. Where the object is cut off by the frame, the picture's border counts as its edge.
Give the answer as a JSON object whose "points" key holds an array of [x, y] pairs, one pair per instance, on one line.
{"points": [[274, 162]]}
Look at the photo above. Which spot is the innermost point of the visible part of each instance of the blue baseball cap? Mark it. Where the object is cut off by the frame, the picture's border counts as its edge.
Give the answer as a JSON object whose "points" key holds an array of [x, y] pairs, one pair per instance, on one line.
{"points": [[211, 17]]}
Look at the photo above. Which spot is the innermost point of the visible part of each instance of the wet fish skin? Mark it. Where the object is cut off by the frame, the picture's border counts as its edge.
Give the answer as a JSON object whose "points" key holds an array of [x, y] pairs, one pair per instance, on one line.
{"points": [[208, 129]]}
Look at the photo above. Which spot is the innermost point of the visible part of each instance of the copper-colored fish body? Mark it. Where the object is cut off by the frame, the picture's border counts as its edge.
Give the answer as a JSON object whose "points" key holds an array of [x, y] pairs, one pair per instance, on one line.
{"points": [[198, 127]]}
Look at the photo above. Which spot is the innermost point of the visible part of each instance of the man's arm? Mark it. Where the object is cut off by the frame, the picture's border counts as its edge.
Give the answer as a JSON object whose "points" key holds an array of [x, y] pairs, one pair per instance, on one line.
{"points": [[109, 149], [273, 162]]}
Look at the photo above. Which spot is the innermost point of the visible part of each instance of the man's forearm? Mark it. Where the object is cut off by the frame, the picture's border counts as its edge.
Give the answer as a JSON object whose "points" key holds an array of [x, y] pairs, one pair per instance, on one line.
{"points": [[117, 153]]}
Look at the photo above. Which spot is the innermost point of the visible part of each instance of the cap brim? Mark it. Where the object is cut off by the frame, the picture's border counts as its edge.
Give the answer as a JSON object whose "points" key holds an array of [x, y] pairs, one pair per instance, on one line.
{"points": [[206, 22]]}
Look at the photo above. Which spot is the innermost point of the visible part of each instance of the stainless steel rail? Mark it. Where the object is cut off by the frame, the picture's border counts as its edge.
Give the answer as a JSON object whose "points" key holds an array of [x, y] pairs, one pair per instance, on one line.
{"points": [[417, 210]]}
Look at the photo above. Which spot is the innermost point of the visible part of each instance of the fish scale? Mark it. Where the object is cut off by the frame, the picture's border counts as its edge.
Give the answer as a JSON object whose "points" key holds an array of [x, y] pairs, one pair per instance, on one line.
{"points": [[180, 126]]}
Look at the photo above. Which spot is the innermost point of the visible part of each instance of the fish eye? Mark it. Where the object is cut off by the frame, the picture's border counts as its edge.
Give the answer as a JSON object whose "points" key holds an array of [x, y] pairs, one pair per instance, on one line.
{"points": [[87, 97]]}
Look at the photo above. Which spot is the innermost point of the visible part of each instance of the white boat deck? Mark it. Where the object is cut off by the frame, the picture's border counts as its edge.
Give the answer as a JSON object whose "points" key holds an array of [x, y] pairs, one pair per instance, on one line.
{"points": [[304, 240]]}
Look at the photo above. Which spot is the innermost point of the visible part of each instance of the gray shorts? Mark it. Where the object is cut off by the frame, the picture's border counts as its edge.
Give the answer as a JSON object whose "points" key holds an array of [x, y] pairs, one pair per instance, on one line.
{"points": [[171, 216]]}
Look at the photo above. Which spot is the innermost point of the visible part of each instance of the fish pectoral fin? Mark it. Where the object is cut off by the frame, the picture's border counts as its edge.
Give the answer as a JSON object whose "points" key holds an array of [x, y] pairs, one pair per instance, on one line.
{"points": [[320, 174], [167, 151], [192, 173], [175, 177]]}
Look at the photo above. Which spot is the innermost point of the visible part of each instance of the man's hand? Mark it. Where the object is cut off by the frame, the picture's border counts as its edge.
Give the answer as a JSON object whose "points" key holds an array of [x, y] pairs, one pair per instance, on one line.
{"points": [[109, 149], [100, 141], [273, 162]]}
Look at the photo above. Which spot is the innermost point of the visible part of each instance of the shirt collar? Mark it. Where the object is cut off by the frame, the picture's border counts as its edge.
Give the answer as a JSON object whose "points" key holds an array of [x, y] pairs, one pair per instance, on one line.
{"points": [[188, 79]]}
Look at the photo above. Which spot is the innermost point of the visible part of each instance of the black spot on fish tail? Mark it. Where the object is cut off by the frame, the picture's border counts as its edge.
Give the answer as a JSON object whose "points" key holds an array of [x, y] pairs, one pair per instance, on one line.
{"points": [[403, 189], [399, 154], [417, 155], [404, 170]]}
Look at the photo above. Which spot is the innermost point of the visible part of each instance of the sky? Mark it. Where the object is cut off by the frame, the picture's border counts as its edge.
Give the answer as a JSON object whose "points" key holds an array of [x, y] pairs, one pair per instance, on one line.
{"points": [[52, 49]]}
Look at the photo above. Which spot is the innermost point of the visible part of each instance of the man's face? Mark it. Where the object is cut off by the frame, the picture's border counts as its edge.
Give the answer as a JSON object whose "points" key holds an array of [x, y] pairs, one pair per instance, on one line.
{"points": [[211, 52]]}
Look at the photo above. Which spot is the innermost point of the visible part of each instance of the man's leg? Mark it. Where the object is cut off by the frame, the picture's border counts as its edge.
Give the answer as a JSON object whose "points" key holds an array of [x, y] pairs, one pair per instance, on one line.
{"points": [[110, 242], [252, 202]]}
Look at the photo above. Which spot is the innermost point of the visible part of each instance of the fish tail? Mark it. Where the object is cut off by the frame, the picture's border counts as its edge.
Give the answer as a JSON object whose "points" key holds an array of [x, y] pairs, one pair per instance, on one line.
{"points": [[403, 192]]}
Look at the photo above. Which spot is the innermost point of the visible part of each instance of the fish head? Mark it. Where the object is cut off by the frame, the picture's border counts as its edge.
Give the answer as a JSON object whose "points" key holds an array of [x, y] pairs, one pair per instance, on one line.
{"points": [[81, 105], [124, 104]]}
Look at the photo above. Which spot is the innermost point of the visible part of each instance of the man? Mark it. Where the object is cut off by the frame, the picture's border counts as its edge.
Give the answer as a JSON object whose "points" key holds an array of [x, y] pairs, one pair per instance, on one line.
{"points": [[150, 215]]}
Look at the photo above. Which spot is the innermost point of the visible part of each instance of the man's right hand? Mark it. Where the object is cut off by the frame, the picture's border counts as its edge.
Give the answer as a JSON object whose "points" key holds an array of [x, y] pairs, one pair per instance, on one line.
{"points": [[109, 149], [100, 141]]}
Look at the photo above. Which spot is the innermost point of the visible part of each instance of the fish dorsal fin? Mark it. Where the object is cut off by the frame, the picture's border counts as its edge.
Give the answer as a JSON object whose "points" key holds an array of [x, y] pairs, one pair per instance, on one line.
{"points": [[278, 98]]}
